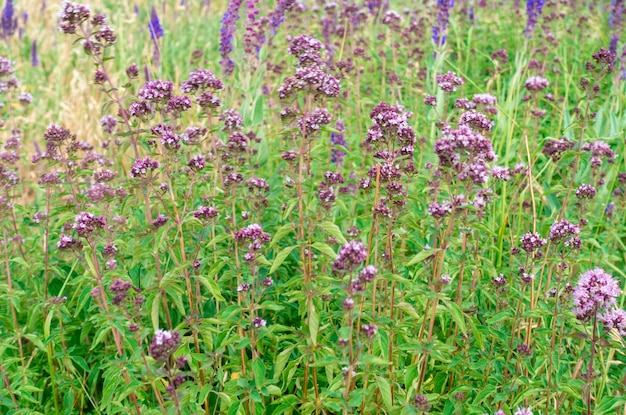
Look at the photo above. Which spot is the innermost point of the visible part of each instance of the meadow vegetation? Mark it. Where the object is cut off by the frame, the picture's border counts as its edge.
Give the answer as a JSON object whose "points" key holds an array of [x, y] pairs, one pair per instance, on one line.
{"points": [[312, 207]]}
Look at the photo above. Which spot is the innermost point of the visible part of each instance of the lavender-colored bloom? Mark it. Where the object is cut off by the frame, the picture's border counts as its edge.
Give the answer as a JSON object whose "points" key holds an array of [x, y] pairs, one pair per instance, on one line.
{"points": [[438, 211], [141, 166], [563, 229], [85, 223], [421, 403], [464, 103], [205, 212], [227, 32], [368, 273], [68, 242], [160, 221], [25, 98], [533, 11], [531, 242], [34, 58], [254, 233], [596, 290], [6, 66], [350, 256], [201, 80], [232, 120], [440, 28], [476, 119], [154, 26], [615, 23], [9, 21], [156, 91], [108, 124], [585, 191], [164, 344], [614, 319], [176, 105], [258, 322], [197, 162], [141, 109], [536, 83], [338, 139], [72, 15], [369, 330], [523, 411], [555, 148], [277, 16], [448, 82]]}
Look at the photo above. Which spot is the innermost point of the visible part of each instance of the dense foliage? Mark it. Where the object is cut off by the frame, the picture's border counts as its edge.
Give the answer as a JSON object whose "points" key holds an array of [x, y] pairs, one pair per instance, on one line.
{"points": [[298, 207]]}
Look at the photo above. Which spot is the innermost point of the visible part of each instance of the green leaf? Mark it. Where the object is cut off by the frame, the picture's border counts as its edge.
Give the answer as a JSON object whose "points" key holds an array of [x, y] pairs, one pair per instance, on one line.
{"points": [[234, 408], [281, 361], [281, 233], [421, 256], [280, 258], [258, 368], [154, 313], [385, 392], [456, 314], [334, 231], [368, 359], [212, 286], [408, 309], [324, 248]]}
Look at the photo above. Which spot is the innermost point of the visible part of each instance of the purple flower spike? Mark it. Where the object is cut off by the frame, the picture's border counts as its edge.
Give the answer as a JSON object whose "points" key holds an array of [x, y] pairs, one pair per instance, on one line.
{"points": [[154, 26], [9, 21]]}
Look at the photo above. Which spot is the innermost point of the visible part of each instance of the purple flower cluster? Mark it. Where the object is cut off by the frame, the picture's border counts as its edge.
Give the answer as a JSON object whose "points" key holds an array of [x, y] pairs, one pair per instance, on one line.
{"points": [[68, 242], [614, 319], [531, 242], [599, 150], [205, 213], [72, 15], [311, 75], [160, 221], [120, 289], [157, 91], [164, 344], [391, 126], [536, 83], [439, 210], [449, 82], [253, 233], [476, 120], [85, 223], [563, 229], [466, 151], [141, 167], [310, 123], [350, 256], [201, 80], [586, 191], [555, 148], [369, 330], [232, 120], [596, 290]]}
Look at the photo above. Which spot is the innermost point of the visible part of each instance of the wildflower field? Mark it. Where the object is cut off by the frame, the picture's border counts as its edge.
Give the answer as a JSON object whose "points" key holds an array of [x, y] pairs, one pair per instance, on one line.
{"points": [[313, 207]]}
